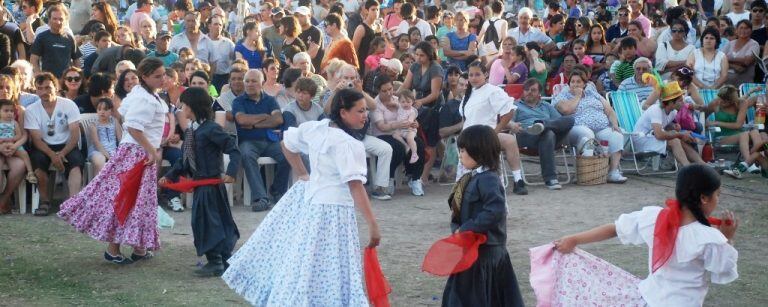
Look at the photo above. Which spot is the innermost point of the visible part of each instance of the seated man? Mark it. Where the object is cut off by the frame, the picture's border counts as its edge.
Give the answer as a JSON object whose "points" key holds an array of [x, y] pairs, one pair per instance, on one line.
{"points": [[256, 116], [54, 127], [657, 131], [542, 118], [646, 95]]}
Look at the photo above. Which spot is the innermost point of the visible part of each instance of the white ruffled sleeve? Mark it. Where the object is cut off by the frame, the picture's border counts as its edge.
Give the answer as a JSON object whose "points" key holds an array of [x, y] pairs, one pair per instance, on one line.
{"points": [[720, 260], [140, 114], [350, 159], [630, 226], [293, 139]]}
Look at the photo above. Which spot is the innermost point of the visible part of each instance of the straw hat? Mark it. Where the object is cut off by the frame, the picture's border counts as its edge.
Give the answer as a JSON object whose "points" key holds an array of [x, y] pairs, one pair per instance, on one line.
{"points": [[671, 91]]}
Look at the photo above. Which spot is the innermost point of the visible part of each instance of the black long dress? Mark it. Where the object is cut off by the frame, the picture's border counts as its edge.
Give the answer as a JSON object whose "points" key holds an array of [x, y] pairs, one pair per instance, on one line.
{"points": [[213, 228], [490, 281]]}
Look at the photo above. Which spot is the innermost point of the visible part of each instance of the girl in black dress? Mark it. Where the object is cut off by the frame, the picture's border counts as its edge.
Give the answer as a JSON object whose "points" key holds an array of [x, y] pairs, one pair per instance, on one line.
{"points": [[478, 204], [214, 230]]}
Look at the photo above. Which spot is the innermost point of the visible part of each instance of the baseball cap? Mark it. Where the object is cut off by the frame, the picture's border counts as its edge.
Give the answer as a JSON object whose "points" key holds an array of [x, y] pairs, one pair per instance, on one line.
{"points": [[277, 11], [163, 34], [302, 10], [393, 64]]}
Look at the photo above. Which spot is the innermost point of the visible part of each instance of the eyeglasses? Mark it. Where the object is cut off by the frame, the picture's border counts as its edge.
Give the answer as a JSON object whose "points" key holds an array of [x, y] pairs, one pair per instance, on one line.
{"points": [[623, 14], [72, 79]]}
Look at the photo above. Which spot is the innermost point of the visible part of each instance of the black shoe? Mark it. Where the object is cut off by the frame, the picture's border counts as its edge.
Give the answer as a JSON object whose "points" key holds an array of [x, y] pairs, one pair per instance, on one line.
{"points": [[261, 205], [148, 255], [519, 188], [214, 267], [119, 259]]}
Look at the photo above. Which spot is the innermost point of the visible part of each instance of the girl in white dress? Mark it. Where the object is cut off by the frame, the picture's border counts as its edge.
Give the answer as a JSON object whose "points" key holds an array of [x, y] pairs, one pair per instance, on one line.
{"points": [[306, 250], [682, 244]]}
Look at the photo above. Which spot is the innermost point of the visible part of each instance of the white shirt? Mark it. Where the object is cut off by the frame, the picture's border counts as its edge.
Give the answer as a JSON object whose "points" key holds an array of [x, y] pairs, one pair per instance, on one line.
{"points": [[736, 17], [225, 101], [533, 35], [666, 35], [204, 46], [64, 113], [682, 280], [335, 158], [222, 55], [422, 25], [145, 112], [484, 105], [654, 115]]}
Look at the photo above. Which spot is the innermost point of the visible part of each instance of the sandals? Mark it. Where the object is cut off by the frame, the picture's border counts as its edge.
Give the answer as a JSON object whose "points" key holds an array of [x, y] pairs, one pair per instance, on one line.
{"points": [[43, 209], [119, 259], [31, 178]]}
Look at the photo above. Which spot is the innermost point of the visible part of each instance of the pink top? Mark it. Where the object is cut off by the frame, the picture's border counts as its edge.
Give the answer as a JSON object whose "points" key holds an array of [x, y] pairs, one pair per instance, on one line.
{"points": [[373, 60], [646, 23], [497, 73], [587, 61], [382, 113]]}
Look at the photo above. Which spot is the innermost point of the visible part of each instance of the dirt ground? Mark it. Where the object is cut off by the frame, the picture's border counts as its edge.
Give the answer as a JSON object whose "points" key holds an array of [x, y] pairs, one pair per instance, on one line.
{"points": [[46, 263]]}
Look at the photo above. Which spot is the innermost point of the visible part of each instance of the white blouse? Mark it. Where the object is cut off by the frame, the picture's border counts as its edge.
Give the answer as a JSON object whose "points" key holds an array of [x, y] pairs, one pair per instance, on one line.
{"points": [[698, 249], [143, 111], [485, 105], [707, 72], [665, 54], [335, 159]]}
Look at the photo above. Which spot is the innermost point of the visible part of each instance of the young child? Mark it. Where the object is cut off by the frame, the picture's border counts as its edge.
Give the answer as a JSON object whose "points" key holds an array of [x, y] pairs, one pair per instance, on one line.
{"points": [[407, 112], [105, 134], [682, 244], [10, 132], [624, 68], [579, 49], [186, 54], [478, 204], [605, 83], [214, 230], [403, 46], [378, 48]]}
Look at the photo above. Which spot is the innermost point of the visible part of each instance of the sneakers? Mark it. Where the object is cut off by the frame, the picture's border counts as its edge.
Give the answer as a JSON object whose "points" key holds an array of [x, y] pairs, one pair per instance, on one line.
{"points": [[552, 184], [519, 188], [615, 176], [416, 187], [737, 171], [380, 195], [147, 255], [119, 259], [261, 205], [535, 129], [176, 205], [753, 169]]}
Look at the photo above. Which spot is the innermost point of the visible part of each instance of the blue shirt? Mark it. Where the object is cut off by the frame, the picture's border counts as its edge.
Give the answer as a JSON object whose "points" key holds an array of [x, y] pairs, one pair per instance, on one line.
{"points": [[243, 104], [526, 115]]}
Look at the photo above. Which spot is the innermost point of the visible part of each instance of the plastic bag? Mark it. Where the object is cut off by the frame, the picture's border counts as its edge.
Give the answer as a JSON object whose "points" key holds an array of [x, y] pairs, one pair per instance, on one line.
{"points": [[164, 220], [376, 284], [453, 254], [186, 185], [130, 183]]}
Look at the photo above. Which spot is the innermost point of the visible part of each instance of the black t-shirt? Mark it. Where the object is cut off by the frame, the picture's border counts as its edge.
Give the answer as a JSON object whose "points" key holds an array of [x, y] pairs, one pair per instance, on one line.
{"points": [[760, 36], [84, 104], [449, 113], [14, 33], [56, 51], [313, 34]]}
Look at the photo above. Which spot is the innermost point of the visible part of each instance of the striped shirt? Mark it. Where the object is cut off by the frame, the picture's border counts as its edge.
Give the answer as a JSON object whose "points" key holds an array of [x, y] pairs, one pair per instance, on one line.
{"points": [[624, 70], [631, 85]]}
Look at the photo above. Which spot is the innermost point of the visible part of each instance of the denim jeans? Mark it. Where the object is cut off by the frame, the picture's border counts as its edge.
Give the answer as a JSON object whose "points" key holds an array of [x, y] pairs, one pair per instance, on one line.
{"points": [[251, 151]]}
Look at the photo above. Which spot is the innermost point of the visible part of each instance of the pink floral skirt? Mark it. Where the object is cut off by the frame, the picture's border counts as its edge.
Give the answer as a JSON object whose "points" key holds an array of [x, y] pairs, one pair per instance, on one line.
{"points": [[92, 210]]}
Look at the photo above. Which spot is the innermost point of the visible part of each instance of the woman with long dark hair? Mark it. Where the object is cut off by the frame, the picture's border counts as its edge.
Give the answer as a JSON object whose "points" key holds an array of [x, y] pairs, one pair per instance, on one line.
{"points": [[306, 251], [72, 83], [92, 211]]}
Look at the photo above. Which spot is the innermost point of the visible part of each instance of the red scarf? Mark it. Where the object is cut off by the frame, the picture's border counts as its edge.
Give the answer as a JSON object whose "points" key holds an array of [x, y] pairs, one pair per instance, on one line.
{"points": [[665, 232], [130, 183], [185, 185]]}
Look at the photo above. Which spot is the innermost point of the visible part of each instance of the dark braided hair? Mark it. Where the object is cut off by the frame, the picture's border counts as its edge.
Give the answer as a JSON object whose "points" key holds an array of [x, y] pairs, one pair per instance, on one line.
{"points": [[694, 181], [345, 99]]}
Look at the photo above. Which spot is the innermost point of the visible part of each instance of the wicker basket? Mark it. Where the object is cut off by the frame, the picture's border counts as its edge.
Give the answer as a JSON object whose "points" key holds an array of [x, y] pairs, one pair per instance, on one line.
{"points": [[591, 170]]}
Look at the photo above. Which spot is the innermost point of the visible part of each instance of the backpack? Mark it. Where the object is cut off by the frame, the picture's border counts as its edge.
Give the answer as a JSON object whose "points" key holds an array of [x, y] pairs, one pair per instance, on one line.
{"points": [[491, 35]]}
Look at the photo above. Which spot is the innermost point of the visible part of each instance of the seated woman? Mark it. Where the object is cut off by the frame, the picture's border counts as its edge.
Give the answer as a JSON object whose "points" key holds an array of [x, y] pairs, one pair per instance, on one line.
{"points": [[730, 115], [710, 65], [594, 119], [740, 55], [657, 132]]}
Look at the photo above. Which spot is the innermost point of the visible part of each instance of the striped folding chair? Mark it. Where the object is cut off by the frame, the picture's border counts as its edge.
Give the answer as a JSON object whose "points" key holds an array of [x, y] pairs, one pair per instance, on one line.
{"points": [[628, 111]]}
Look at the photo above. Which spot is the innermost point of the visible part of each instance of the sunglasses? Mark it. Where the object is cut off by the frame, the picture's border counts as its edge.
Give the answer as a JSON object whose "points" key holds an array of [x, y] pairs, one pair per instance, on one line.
{"points": [[72, 79], [677, 30], [51, 125], [623, 14], [685, 70], [757, 10]]}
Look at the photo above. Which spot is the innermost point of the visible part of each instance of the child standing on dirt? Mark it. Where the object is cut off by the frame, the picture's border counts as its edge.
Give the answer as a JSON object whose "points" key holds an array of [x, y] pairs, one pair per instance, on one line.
{"points": [[478, 204], [10, 132], [205, 142], [682, 242]]}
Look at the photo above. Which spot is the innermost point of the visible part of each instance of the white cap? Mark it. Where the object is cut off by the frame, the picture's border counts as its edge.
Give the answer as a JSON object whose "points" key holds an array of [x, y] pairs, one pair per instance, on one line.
{"points": [[393, 64], [302, 10]]}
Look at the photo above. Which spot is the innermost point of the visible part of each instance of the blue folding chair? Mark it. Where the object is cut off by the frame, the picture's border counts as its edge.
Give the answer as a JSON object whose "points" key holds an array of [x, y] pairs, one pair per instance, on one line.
{"points": [[628, 112]]}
